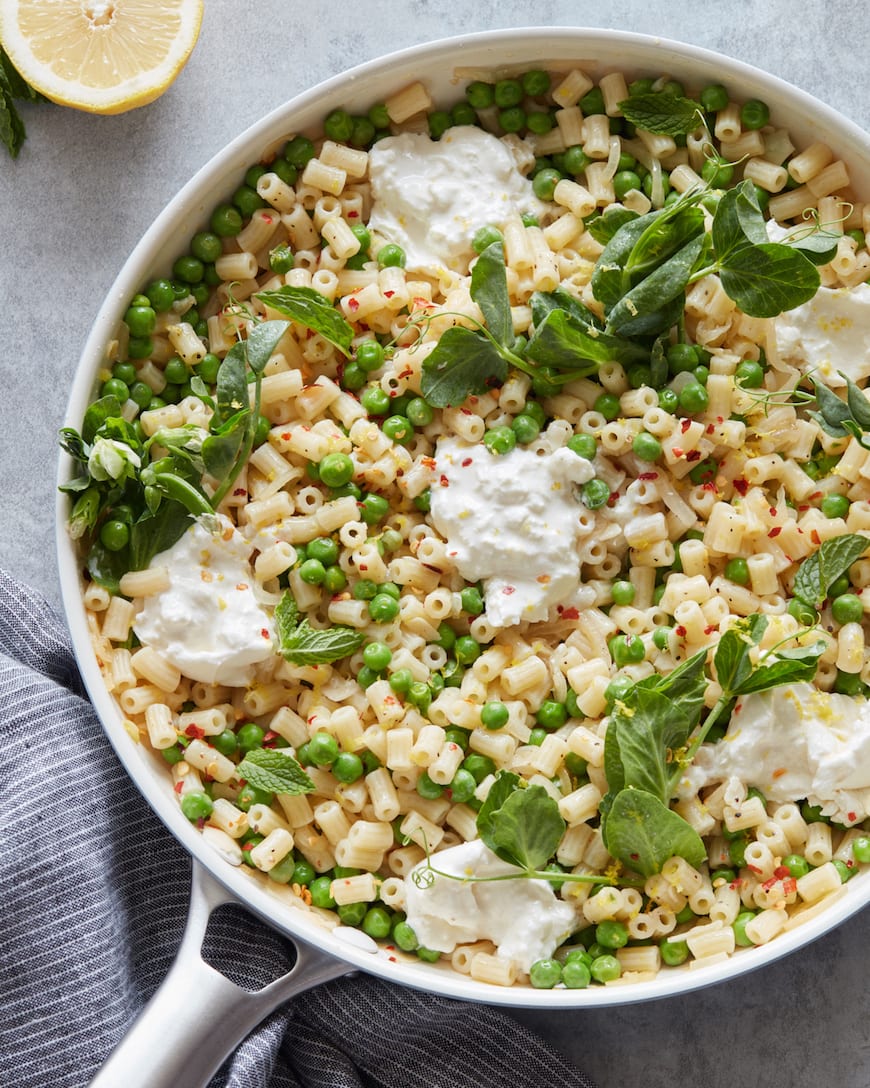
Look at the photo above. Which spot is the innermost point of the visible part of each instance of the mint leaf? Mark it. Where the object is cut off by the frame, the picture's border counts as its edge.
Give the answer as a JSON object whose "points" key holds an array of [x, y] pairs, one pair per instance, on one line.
{"points": [[310, 646], [462, 364], [308, 307], [819, 570], [286, 618], [663, 114], [274, 770], [642, 832]]}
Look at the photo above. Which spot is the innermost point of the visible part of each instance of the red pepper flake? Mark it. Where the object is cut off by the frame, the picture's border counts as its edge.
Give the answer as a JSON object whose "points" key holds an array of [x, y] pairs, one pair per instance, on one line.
{"points": [[194, 731], [685, 425], [741, 486], [286, 436], [779, 772], [429, 462], [389, 294], [851, 817], [737, 708], [774, 513], [693, 455], [781, 872], [363, 566], [389, 700], [406, 373], [240, 491], [648, 476], [508, 590], [613, 498], [544, 579], [709, 486], [677, 451], [466, 462], [710, 629], [353, 304], [264, 631], [681, 631], [775, 532], [178, 787], [444, 481], [803, 509], [754, 869], [569, 614], [710, 428], [815, 538], [241, 586], [466, 411], [353, 214], [789, 885], [816, 495]]}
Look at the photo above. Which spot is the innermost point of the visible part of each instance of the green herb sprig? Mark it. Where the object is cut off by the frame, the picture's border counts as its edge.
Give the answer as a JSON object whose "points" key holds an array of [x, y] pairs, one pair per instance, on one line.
{"points": [[13, 89], [274, 770], [302, 644]]}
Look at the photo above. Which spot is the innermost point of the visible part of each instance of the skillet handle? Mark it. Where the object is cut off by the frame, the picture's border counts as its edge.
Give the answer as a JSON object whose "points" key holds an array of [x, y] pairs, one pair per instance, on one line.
{"points": [[197, 1017]]}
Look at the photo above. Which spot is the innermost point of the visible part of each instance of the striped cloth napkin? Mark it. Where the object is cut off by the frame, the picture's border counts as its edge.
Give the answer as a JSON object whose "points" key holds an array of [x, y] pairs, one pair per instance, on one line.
{"points": [[94, 895]]}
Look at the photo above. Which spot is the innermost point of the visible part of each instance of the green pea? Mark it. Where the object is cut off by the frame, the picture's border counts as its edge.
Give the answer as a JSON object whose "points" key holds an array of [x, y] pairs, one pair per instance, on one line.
{"points": [[624, 181], [544, 974], [377, 923], [607, 405], [611, 934], [283, 872], [551, 715], [576, 974], [754, 114], [673, 953], [140, 347], [471, 600], [714, 97], [335, 470], [321, 894], [391, 256], [861, 849], [575, 160], [525, 428], [480, 95], [594, 493], [298, 151], [494, 714], [281, 259], [366, 676], [383, 608], [323, 548], [668, 400], [404, 937], [737, 570], [694, 398], [439, 122], [646, 447], [419, 695], [364, 590], [835, 506], [544, 183], [373, 508], [377, 655], [717, 172], [801, 612], [479, 766], [428, 955], [500, 440], [484, 237], [848, 683], [847, 608], [375, 401], [419, 412], [141, 320], [428, 789], [250, 736], [797, 865], [161, 295], [605, 968], [114, 535], [535, 82], [227, 743], [750, 374], [352, 914], [226, 221], [207, 246], [507, 92], [584, 445], [312, 572], [338, 126], [462, 786], [540, 122], [196, 805], [398, 429], [622, 592], [323, 748], [467, 650], [626, 650], [249, 795]]}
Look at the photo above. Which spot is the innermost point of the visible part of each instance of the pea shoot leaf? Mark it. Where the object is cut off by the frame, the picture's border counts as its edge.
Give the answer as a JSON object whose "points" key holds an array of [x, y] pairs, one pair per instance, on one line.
{"points": [[646, 308], [489, 290], [642, 832], [274, 770], [768, 279], [567, 343], [738, 222], [604, 226], [463, 363], [262, 341], [308, 307], [522, 826], [819, 570], [663, 114]]}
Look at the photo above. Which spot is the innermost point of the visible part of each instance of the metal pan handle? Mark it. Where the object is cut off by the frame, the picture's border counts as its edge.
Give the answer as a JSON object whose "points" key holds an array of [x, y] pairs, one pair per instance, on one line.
{"points": [[197, 1017]]}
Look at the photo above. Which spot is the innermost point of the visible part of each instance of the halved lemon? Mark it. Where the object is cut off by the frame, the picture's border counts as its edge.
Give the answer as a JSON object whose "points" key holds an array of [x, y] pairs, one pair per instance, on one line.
{"points": [[103, 56]]}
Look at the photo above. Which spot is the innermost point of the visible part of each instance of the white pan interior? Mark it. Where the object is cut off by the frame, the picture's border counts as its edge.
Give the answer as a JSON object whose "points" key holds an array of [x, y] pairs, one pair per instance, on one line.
{"points": [[438, 65]]}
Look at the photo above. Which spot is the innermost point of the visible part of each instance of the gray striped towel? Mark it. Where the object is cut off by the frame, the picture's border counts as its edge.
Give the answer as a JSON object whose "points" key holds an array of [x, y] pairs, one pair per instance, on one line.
{"points": [[94, 894]]}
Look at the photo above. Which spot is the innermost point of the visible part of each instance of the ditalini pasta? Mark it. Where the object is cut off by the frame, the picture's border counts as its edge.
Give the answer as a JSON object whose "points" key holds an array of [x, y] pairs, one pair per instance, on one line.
{"points": [[485, 484]]}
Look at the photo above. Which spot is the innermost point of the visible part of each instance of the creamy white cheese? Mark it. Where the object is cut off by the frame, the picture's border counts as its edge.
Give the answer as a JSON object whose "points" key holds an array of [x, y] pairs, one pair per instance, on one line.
{"points": [[829, 334], [430, 196], [797, 742], [511, 520], [209, 622], [522, 917]]}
